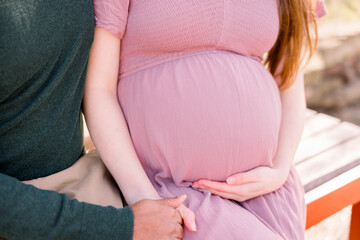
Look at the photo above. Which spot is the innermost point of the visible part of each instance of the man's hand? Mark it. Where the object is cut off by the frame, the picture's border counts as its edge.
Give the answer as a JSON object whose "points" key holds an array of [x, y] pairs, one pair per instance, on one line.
{"points": [[158, 219]]}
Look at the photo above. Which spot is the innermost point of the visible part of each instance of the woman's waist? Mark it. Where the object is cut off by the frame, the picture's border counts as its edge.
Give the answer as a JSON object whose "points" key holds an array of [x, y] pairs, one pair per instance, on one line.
{"points": [[202, 77], [137, 63]]}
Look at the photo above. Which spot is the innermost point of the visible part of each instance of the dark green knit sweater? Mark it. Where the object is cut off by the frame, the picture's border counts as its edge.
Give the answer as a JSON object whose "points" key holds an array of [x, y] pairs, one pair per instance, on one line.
{"points": [[44, 48]]}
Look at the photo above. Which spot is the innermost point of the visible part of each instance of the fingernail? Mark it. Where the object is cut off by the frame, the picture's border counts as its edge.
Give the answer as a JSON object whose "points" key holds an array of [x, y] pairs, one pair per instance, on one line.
{"points": [[193, 226], [230, 180], [183, 196], [201, 182], [199, 185]]}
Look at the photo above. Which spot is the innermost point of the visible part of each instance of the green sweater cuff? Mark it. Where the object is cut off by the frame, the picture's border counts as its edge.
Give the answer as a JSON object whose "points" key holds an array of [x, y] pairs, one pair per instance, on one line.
{"points": [[107, 223]]}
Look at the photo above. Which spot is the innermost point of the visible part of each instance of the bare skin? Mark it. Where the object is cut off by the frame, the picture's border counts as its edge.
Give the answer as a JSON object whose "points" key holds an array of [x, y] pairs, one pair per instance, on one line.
{"points": [[158, 219], [110, 134]]}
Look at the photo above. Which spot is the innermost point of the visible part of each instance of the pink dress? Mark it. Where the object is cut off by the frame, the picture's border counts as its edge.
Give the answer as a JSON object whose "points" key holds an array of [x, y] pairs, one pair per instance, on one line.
{"points": [[199, 104]]}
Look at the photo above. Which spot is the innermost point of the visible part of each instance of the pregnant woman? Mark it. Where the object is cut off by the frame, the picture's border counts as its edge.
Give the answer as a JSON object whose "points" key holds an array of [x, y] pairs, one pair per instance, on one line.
{"points": [[178, 102]]}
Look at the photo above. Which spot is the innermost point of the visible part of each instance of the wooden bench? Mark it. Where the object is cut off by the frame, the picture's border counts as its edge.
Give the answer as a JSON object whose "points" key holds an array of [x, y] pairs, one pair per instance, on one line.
{"points": [[328, 161]]}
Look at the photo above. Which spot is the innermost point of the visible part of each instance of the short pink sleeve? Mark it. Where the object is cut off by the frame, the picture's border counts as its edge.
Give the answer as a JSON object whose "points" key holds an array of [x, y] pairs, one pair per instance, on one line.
{"points": [[112, 15], [320, 9]]}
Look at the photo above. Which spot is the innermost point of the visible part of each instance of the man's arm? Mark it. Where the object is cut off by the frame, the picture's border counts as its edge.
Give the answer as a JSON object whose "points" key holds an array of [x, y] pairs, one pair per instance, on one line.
{"points": [[27, 212]]}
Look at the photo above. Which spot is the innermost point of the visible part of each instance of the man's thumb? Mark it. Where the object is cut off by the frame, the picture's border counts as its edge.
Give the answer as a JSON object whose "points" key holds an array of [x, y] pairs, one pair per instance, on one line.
{"points": [[175, 201]]}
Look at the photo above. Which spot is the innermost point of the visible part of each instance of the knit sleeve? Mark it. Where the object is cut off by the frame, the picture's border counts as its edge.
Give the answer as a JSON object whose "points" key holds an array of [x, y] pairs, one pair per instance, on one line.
{"points": [[30, 213], [112, 15], [320, 8]]}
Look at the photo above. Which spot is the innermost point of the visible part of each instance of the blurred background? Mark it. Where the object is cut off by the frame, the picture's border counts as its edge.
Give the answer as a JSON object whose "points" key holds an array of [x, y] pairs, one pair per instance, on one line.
{"points": [[332, 83], [333, 76]]}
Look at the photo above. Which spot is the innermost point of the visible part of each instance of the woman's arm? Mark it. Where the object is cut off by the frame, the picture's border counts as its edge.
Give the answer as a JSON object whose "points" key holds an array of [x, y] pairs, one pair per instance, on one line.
{"points": [[108, 128], [106, 122], [262, 180], [292, 124]]}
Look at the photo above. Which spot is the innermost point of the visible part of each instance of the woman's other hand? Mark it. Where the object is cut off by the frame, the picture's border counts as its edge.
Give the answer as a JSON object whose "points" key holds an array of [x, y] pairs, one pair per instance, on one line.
{"points": [[188, 217], [246, 185]]}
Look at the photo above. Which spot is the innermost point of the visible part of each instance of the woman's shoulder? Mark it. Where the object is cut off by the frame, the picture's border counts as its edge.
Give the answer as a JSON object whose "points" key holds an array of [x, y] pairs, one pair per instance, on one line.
{"points": [[112, 15], [320, 8]]}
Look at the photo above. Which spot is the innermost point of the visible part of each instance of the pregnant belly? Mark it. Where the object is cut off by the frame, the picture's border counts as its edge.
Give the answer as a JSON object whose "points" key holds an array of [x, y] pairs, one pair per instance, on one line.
{"points": [[202, 116]]}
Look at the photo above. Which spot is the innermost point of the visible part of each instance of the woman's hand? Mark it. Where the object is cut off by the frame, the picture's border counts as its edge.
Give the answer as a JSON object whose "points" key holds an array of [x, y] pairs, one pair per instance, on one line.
{"points": [[247, 185], [188, 217]]}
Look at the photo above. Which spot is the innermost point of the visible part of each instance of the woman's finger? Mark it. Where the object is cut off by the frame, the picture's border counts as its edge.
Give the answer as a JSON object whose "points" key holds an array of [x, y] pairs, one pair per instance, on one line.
{"points": [[253, 175], [225, 195], [188, 216], [218, 186], [247, 190]]}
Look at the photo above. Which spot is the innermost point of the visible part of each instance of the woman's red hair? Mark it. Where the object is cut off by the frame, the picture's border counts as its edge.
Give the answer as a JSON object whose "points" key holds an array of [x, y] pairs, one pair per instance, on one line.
{"points": [[297, 24]]}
